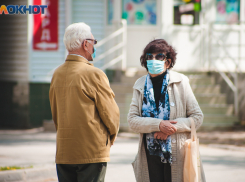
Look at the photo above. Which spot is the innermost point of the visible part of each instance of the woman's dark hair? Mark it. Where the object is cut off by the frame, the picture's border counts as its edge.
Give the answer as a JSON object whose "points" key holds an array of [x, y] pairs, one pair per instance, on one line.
{"points": [[159, 46]]}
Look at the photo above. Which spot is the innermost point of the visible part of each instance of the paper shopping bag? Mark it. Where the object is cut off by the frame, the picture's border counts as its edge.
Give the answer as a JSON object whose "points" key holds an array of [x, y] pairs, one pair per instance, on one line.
{"points": [[192, 163]]}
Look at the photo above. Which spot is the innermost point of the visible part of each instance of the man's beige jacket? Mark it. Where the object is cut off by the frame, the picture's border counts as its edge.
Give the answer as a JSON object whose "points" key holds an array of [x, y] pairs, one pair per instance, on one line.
{"points": [[84, 111]]}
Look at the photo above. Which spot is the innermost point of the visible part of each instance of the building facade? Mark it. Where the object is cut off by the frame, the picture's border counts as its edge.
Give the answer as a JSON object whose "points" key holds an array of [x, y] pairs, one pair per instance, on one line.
{"points": [[208, 35]]}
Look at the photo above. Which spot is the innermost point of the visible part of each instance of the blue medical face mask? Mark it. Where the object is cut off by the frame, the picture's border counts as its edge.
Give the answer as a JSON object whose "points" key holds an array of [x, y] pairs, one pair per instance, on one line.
{"points": [[155, 66], [94, 53]]}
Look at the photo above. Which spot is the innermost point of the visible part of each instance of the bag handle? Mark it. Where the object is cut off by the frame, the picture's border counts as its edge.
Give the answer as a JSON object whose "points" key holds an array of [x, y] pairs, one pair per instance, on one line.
{"points": [[193, 130]]}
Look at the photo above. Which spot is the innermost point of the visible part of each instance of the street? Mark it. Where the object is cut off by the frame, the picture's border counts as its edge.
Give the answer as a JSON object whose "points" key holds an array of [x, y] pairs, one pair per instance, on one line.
{"points": [[38, 150]]}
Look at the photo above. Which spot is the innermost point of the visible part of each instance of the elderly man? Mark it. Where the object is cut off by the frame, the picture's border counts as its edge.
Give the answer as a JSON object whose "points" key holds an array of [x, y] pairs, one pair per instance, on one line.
{"points": [[84, 111]]}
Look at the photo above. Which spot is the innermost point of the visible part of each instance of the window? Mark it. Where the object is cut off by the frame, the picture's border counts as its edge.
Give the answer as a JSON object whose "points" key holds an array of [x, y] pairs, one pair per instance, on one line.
{"points": [[227, 11], [139, 12], [186, 12]]}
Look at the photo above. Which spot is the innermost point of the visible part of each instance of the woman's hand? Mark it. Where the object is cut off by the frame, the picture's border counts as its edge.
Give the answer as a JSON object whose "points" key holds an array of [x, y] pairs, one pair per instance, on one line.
{"points": [[167, 128], [160, 135]]}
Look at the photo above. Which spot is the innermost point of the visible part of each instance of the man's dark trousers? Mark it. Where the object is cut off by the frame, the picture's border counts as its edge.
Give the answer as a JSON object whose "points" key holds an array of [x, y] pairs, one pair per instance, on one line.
{"points": [[94, 172]]}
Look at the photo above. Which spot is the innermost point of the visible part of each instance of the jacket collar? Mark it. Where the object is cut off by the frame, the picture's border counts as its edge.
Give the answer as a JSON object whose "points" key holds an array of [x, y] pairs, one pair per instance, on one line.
{"points": [[174, 77], [77, 58]]}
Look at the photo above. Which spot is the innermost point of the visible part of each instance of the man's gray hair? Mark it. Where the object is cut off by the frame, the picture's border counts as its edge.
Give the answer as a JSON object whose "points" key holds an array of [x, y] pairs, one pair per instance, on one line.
{"points": [[75, 34]]}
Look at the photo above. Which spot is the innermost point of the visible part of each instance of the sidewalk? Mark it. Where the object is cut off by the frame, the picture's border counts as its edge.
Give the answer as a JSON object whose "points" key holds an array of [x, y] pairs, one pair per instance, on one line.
{"points": [[37, 148], [25, 148]]}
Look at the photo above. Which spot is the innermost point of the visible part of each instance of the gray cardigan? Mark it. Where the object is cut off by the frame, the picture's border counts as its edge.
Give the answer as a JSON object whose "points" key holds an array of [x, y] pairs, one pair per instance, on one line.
{"points": [[183, 105]]}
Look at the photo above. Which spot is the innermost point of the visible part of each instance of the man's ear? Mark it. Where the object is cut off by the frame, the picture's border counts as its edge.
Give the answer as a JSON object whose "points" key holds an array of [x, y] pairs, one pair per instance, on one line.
{"points": [[84, 45]]}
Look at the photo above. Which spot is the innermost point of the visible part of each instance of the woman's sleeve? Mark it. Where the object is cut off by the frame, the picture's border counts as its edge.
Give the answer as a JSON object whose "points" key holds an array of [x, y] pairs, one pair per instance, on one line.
{"points": [[192, 111], [140, 124]]}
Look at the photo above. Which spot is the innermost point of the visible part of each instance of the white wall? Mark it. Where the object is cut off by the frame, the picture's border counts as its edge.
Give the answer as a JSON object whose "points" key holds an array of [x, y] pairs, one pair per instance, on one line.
{"points": [[187, 40], [195, 45], [138, 38]]}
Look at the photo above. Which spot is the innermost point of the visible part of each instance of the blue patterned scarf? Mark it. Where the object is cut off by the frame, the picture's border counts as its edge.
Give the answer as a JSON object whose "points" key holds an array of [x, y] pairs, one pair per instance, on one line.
{"points": [[161, 148]]}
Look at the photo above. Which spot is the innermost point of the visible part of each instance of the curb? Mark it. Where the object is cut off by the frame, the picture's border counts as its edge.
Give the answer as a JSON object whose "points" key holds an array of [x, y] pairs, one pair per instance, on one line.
{"points": [[227, 147], [128, 135], [28, 175], [19, 132]]}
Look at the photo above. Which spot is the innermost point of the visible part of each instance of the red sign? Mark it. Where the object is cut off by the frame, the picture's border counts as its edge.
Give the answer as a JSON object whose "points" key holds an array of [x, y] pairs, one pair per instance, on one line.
{"points": [[45, 30]]}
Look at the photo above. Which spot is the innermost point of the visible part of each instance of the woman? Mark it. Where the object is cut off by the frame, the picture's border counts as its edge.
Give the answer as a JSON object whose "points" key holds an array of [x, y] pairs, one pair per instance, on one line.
{"points": [[161, 111]]}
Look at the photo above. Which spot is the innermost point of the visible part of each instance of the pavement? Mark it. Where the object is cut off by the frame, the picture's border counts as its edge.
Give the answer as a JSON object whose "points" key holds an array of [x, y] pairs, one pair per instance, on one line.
{"points": [[222, 161]]}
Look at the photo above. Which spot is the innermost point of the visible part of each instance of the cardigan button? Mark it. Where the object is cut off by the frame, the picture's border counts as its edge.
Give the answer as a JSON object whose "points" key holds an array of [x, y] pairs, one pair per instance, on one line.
{"points": [[172, 104], [173, 141], [169, 88], [174, 159]]}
